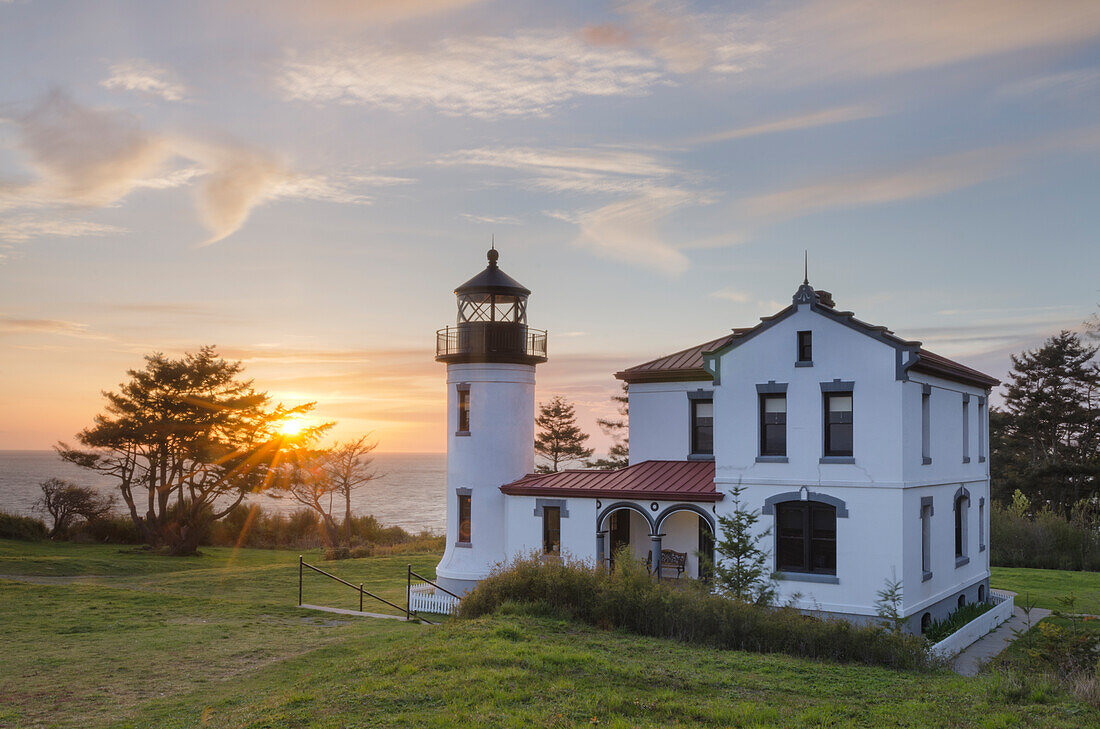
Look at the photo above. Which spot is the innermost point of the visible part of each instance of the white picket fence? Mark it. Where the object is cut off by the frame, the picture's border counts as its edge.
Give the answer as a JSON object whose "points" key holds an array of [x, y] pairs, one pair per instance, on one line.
{"points": [[426, 599], [1003, 606]]}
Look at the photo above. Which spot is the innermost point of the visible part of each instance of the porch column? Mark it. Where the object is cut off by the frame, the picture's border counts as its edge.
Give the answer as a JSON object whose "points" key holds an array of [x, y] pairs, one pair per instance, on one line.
{"points": [[655, 552], [601, 551]]}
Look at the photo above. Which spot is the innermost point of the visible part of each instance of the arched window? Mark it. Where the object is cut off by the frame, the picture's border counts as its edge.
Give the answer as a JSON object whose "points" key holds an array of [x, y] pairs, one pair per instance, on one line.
{"points": [[962, 501], [925, 622], [805, 537], [962, 600], [981, 593]]}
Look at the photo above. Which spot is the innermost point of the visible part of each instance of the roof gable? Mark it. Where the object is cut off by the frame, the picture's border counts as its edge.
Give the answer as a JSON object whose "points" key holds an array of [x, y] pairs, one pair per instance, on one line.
{"points": [[698, 363]]}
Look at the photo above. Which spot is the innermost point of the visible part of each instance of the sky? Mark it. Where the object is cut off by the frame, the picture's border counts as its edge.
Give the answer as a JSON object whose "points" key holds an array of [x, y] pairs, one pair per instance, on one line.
{"points": [[304, 184]]}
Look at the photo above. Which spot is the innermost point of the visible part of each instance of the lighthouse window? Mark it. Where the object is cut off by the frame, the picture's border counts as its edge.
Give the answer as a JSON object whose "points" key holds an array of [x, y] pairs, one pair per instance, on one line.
{"points": [[464, 411], [551, 530], [464, 518]]}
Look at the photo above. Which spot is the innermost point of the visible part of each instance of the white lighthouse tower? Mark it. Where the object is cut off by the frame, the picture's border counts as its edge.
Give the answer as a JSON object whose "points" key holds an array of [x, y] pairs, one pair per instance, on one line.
{"points": [[491, 355]]}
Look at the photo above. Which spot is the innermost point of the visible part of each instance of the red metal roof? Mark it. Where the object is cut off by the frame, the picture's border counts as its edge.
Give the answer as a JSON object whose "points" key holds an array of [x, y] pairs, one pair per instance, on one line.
{"points": [[687, 364], [662, 480]]}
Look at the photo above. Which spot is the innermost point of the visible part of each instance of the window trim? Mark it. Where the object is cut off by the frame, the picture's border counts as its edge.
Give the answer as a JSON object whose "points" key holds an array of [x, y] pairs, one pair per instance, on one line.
{"points": [[546, 512], [836, 388], [462, 394], [468, 495], [927, 511], [981, 523], [982, 416], [799, 360], [807, 508], [694, 397], [966, 427], [926, 424], [961, 531]]}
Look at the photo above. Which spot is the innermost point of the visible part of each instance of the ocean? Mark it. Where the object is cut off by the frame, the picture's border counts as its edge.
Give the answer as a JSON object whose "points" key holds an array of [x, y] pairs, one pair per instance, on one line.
{"points": [[409, 490]]}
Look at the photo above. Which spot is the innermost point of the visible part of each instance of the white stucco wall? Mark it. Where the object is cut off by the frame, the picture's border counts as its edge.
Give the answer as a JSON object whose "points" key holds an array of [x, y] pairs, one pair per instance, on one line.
{"points": [[660, 420], [839, 353], [881, 537], [498, 450]]}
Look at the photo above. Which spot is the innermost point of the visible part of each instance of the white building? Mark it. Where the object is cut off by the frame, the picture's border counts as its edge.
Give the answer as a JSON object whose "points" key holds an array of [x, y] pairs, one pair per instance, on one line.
{"points": [[865, 454]]}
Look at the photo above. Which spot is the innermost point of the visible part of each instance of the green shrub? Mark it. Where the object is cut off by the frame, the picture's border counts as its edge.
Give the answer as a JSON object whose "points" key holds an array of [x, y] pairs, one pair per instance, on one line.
{"points": [[630, 599], [940, 629], [110, 530], [26, 528], [1045, 540]]}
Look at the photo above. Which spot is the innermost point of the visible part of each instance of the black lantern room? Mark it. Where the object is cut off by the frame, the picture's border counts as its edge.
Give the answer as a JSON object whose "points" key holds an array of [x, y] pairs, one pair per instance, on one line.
{"points": [[492, 322]]}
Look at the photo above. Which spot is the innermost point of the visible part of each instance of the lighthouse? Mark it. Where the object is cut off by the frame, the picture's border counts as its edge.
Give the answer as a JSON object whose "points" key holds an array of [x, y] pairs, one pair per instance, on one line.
{"points": [[491, 356]]}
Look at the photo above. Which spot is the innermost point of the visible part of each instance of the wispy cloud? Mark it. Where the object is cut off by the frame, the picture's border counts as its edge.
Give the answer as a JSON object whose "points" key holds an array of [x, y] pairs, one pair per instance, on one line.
{"points": [[588, 170], [1077, 83], [10, 325], [147, 78], [24, 227], [629, 230], [823, 117], [357, 13], [880, 37], [490, 219], [481, 76], [88, 156], [731, 293], [921, 179]]}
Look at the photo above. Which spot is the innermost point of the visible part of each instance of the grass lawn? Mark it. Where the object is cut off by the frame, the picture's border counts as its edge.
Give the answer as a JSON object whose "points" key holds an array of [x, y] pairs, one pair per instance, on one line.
{"points": [[1044, 587], [134, 640]]}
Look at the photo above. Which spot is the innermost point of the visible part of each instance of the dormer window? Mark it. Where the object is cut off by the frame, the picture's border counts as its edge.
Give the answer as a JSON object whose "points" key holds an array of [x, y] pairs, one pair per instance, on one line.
{"points": [[805, 349]]}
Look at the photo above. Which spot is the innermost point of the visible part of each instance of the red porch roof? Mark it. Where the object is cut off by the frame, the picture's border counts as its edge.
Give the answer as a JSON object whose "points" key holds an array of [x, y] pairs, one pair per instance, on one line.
{"points": [[661, 480]]}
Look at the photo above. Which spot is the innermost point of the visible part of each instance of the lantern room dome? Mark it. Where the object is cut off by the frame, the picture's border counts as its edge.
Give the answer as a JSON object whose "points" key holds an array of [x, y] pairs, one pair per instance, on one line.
{"points": [[493, 281], [492, 322]]}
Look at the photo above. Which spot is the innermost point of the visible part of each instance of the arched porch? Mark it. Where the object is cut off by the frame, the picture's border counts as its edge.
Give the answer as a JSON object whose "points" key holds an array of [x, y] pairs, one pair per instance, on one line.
{"points": [[670, 538]]}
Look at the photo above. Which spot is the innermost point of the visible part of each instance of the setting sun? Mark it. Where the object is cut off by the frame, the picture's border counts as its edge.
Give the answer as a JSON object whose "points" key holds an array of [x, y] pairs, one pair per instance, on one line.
{"points": [[292, 426]]}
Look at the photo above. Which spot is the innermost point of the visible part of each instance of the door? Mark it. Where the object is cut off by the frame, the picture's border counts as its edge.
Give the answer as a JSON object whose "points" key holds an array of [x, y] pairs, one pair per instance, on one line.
{"points": [[619, 531]]}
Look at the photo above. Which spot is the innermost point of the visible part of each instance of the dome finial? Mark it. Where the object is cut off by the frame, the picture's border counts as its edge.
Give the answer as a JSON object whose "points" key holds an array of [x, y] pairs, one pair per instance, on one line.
{"points": [[493, 254], [805, 267]]}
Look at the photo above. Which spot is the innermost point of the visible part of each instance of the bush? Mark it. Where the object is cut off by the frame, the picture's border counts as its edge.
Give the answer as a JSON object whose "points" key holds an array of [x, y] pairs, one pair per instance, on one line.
{"points": [[940, 629], [1044, 541], [110, 530], [21, 527], [251, 526], [630, 599]]}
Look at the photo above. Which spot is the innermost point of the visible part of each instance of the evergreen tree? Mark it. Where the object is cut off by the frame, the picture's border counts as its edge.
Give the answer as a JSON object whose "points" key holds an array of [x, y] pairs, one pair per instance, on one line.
{"points": [[185, 441], [1046, 439], [618, 429], [559, 439], [742, 571]]}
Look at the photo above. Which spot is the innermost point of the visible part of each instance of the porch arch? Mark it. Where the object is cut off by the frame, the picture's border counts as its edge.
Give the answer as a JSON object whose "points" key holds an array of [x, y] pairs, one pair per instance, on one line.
{"points": [[703, 514], [625, 505]]}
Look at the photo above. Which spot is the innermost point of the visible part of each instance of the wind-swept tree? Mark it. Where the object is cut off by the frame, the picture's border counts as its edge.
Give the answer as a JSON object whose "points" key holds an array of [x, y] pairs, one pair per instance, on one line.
{"points": [[1045, 441], [186, 440], [618, 429], [559, 439], [348, 466], [66, 502]]}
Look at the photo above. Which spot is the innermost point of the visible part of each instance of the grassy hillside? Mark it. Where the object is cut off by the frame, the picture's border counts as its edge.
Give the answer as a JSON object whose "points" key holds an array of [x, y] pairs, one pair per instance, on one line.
{"points": [[123, 639]]}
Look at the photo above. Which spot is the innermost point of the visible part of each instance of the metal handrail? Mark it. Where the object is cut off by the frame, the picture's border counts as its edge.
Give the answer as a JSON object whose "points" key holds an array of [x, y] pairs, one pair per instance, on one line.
{"points": [[490, 337], [359, 588], [422, 578]]}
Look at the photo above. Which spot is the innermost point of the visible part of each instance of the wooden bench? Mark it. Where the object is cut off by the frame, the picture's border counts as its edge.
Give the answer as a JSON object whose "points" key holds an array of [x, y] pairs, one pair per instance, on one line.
{"points": [[670, 560]]}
